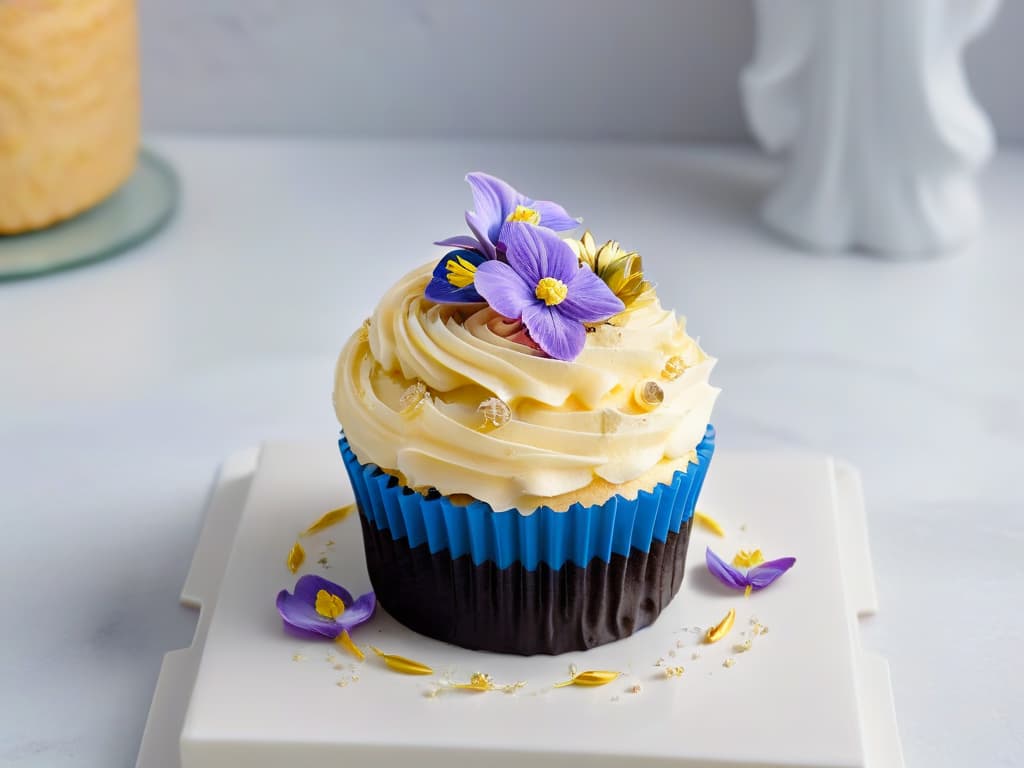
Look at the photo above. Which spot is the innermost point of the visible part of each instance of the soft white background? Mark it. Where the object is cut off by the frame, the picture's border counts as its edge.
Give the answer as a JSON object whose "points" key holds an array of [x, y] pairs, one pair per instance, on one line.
{"points": [[572, 69]]}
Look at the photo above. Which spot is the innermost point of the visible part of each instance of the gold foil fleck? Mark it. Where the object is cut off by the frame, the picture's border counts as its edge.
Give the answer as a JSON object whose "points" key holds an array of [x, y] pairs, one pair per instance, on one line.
{"points": [[298, 657], [481, 682], [590, 677], [674, 671], [296, 557], [402, 664], [412, 397], [648, 395], [709, 522], [721, 629], [728, 663], [635, 688], [743, 647], [333, 517], [364, 331]]}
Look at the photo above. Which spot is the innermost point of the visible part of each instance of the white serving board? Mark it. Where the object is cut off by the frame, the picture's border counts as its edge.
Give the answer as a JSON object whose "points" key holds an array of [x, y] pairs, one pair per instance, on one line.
{"points": [[806, 694]]}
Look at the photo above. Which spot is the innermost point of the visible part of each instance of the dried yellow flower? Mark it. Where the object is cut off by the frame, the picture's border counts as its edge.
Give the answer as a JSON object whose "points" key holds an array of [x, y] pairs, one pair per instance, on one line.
{"points": [[721, 629], [402, 664], [333, 517], [620, 270], [296, 557], [591, 677]]}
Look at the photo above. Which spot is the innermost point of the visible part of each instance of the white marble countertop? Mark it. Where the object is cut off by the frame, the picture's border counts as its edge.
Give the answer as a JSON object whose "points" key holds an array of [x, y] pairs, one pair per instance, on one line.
{"points": [[126, 383]]}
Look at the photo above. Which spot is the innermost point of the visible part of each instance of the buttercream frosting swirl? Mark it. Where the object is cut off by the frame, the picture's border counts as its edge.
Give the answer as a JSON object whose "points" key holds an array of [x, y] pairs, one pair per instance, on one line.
{"points": [[573, 423]]}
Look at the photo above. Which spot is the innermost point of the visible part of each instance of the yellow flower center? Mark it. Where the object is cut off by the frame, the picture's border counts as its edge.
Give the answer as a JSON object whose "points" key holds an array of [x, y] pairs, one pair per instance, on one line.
{"points": [[329, 606], [748, 558], [522, 213], [551, 291], [460, 272]]}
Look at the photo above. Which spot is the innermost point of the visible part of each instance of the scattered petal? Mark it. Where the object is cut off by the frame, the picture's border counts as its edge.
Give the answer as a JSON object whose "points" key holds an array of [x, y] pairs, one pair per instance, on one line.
{"points": [[296, 557], [593, 677], [345, 641], [402, 664], [333, 517], [765, 574], [721, 629], [724, 572], [709, 522]]}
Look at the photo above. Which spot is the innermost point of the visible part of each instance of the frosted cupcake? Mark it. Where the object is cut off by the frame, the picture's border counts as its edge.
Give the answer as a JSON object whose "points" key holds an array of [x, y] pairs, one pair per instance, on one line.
{"points": [[527, 432]]}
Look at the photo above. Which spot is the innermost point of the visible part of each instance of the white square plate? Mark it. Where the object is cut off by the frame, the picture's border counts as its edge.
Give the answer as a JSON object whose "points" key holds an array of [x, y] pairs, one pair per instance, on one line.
{"points": [[805, 694]]}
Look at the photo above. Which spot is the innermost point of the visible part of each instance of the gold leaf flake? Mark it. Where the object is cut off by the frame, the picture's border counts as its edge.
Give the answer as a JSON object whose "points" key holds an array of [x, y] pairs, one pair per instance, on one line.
{"points": [[412, 397], [590, 677], [296, 557], [402, 664], [495, 412], [345, 641], [721, 629], [481, 682], [708, 522], [635, 688], [743, 647], [674, 368], [674, 671], [728, 663], [333, 517]]}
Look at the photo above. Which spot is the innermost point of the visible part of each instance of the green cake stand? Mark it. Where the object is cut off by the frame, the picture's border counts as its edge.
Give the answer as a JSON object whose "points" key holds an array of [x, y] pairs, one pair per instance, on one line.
{"points": [[133, 214]]}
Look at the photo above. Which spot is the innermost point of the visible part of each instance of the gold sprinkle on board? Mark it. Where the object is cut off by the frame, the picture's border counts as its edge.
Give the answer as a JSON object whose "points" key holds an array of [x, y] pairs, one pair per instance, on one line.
{"points": [[709, 522], [674, 671], [590, 678], [480, 682], [333, 517], [296, 557], [728, 663], [721, 629], [402, 664], [743, 647]]}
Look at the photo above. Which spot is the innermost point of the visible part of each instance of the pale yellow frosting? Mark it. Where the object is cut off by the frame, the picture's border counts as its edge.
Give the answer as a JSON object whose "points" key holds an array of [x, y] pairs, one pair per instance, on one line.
{"points": [[69, 107], [576, 430]]}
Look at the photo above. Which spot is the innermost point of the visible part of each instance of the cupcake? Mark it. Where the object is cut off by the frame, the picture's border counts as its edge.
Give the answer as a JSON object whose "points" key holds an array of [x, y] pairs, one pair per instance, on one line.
{"points": [[526, 430]]}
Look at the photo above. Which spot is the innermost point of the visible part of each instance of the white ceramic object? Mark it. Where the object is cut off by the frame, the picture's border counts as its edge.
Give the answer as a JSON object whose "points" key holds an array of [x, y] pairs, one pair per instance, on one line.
{"points": [[869, 101], [806, 694]]}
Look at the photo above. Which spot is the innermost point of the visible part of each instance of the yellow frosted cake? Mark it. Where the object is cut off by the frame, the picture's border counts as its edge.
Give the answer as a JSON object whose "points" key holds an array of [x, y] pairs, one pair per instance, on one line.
{"points": [[69, 107]]}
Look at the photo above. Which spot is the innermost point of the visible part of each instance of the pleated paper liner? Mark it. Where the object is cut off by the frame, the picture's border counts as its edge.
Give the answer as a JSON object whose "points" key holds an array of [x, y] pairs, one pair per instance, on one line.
{"points": [[577, 535], [548, 582]]}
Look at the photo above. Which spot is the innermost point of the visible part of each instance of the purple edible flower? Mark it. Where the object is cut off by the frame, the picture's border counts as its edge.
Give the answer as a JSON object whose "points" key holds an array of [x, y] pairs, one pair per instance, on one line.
{"points": [[544, 285], [321, 608], [754, 579], [453, 278], [498, 204]]}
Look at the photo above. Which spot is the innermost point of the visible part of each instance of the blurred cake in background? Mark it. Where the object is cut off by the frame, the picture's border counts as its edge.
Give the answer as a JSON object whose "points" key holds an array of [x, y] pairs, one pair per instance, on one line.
{"points": [[69, 107]]}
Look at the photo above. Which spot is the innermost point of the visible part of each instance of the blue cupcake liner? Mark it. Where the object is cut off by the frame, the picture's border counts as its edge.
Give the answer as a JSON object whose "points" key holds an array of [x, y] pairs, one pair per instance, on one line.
{"points": [[577, 535]]}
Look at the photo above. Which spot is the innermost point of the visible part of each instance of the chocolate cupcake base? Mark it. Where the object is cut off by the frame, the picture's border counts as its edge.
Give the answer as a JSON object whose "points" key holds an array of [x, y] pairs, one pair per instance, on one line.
{"points": [[515, 610]]}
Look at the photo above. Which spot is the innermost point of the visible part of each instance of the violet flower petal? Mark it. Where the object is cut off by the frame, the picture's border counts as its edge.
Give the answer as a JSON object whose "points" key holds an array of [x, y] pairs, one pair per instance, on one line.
{"points": [[553, 216], [536, 253], [478, 226], [359, 612], [441, 291], [764, 574], [589, 299], [300, 617], [504, 289], [725, 573], [559, 336], [460, 241], [493, 201]]}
